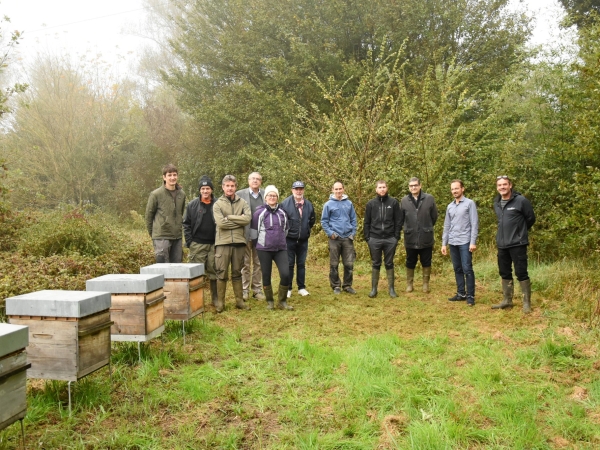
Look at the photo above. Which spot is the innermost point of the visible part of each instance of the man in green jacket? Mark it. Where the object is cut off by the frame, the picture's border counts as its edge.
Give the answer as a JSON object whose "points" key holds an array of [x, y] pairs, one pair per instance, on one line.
{"points": [[231, 214], [164, 217]]}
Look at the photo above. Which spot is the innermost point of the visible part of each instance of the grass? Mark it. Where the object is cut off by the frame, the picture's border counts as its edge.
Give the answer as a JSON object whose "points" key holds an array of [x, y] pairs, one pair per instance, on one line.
{"points": [[350, 372]]}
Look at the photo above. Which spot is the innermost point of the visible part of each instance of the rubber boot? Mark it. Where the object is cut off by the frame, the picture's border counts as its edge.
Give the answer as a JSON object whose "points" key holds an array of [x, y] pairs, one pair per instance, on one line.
{"points": [[426, 276], [526, 290], [507, 292], [282, 299], [269, 296], [410, 278], [238, 290], [221, 289], [390, 277], [374, 282], [213, 292]]}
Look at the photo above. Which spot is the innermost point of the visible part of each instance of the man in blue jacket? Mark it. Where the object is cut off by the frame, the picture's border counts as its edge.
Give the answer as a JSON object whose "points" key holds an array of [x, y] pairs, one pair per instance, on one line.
{"points": [[339, 223], [515, 218], [301, 215]]}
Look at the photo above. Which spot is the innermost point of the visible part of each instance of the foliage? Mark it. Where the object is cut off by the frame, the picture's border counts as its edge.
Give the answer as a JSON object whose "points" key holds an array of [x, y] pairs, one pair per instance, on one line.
{"points": [[581, 12]]}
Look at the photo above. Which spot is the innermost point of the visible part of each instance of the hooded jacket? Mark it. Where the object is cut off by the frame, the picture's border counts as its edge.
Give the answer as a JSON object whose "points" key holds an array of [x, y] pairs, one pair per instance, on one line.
{"points": [[339, 217], [268, 228], [418, 219], [231, 216], [164, 215], [383, 219], [514, 221], [299, 226]]}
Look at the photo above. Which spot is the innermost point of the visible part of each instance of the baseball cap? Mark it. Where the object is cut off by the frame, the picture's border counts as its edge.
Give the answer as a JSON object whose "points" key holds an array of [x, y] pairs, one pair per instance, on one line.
{"points": [[297, 184]]}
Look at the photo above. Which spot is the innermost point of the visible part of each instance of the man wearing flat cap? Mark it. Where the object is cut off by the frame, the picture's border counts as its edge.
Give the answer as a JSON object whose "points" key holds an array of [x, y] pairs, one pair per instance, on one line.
{"points": [[301, 216]]}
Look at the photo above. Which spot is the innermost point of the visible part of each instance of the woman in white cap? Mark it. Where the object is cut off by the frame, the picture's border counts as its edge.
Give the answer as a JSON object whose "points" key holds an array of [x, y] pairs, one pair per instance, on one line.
{"points": [[269, 227]]}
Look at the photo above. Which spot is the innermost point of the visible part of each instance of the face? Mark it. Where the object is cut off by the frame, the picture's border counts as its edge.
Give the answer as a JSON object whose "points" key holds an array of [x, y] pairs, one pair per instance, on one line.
{"points": [[504, 187], [254, 181], [381, 189], [229, 188], [271, 198], [414, 187], [338, 190], [298, 193], [170, 179], [457, 190], [205, 192]]}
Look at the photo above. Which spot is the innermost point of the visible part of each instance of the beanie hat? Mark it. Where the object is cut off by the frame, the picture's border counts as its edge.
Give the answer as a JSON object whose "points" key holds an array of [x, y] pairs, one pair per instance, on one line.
{"points": [[270, 188], [205, 181]]}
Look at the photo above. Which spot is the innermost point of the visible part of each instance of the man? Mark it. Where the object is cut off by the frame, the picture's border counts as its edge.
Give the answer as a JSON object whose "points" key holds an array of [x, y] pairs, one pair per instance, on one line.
{"points": [[461, 227], [252, 277], [231, 215], [515, 218], [164, 215], [301, 215], [339, 223], [199, 230], [382, 225], [419, 215]]}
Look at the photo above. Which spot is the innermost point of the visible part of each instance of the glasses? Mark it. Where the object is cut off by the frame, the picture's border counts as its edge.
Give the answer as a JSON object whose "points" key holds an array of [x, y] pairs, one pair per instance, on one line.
{"points": [[502, 177], [271, 195], [413, 185]]}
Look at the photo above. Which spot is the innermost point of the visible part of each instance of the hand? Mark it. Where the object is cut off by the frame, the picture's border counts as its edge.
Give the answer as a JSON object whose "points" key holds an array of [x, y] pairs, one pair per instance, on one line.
{"points": [[472, 248], [334, 236], [444, 250]]}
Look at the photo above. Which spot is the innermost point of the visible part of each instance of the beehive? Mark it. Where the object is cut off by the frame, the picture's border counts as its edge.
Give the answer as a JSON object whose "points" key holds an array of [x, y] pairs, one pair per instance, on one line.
{"points": [[13, 378], [69, 331], [136, 307], [184, 288]]}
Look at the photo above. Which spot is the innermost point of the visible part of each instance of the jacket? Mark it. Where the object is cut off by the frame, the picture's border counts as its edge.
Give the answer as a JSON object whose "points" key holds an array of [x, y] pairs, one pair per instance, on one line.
{"points": [[268, 228], [382, 218], [231, 216], [299, 226], [244, 194], [339, 217], [514, 221], [418, 220], [164, 215], [194, 214]]}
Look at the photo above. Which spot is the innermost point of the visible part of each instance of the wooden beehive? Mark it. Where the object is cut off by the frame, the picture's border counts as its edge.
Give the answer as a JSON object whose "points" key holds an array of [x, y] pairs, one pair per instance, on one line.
{"points": [[184, 288], [136, 308], [69, 331], [13, 377]]}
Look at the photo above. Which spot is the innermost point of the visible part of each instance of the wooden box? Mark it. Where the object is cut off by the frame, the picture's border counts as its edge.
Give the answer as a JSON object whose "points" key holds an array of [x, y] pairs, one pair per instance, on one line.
{"points": [[184, 288], [137, 309], [13, 377], [69, 331]]}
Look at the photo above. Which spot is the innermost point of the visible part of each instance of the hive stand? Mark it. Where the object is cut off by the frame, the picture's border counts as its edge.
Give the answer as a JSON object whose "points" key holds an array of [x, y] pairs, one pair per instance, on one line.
{"points": [[69, 332]]}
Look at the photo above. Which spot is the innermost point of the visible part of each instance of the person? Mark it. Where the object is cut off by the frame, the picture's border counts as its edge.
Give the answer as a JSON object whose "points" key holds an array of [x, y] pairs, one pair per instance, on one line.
{"points": [[232, 215], [268, 229], [199, 231], [301, 215], [461, 227], [339, 223], [515, 219], [382, 225], [419, 214], [164, 217], [251, 275]]}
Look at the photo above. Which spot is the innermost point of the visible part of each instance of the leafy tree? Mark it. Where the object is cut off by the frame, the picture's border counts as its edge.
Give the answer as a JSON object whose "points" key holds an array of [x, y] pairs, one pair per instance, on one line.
{"points": [[581, 12]]}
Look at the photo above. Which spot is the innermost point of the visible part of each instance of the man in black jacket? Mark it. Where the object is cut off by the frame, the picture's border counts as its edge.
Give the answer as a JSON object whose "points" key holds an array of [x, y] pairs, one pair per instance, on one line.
{"points": [[199, 231], [382, 225], [301, 215], [419, 214], [515, 218]]}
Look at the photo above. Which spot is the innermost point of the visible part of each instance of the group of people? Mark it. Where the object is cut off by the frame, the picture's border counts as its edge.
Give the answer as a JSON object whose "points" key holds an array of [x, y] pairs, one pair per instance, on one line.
{"points": [[250, 229]]}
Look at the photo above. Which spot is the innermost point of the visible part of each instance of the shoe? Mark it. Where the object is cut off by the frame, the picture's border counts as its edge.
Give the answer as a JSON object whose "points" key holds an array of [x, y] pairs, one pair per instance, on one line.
{"points": [[470, 301], [337, 290], [245, 295], [457, 298], [289, 294], [302, 292], [259, 296], [349, 290]]}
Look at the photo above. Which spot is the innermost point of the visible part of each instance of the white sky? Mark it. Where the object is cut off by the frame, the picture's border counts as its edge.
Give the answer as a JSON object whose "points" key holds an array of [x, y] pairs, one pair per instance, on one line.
{"points": [[92, 27]]}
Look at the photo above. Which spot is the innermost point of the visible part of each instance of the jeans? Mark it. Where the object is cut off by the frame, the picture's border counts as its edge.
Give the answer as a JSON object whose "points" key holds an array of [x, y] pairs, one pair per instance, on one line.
{"points": [[462, 260], [297, 251], [266, 264], [412, 255], [387, 247], [168, 250], [513, 255], [344, 248]]}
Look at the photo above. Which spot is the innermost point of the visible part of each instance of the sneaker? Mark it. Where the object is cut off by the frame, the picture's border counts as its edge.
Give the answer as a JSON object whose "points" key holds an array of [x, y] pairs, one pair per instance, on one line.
{"points": [[245, 295], [337, 290], [458, 298], [289, 294], [302, 292], [259, 296], [470, 301], [349, 290]]}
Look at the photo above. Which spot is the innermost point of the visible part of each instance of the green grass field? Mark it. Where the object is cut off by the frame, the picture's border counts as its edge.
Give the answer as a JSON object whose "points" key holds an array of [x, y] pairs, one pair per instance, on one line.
{"points": [[349, 372]]}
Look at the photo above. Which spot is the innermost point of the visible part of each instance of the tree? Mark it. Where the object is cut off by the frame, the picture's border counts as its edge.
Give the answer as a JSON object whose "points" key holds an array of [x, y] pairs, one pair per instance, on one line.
{"points": [[581, 12]]}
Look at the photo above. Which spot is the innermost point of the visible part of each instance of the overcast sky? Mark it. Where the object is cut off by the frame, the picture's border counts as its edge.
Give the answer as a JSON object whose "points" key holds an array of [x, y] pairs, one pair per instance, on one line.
{"points": [[95, 27]]}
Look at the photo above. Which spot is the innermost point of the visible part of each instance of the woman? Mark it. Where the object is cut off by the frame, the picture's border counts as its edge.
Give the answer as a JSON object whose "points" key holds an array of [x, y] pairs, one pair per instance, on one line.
{"points": [[268, 230]]}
